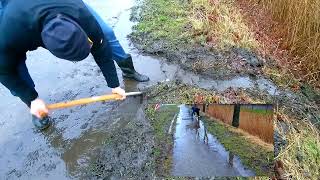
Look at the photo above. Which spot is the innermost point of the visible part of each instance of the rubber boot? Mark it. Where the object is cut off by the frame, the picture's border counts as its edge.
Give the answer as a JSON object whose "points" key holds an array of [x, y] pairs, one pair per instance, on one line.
{"points": [[128, 70], [41, 124]]}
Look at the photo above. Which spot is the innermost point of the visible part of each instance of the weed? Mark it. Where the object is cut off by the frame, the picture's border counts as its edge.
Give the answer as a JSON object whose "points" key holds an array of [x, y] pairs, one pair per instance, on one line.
{"points": [[302, 154], [160, 121]]}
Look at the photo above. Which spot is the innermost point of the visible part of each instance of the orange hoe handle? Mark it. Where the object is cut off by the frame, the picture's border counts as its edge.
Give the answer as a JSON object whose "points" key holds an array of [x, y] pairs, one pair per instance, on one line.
{"points": [[88, 100], [83, 101]]}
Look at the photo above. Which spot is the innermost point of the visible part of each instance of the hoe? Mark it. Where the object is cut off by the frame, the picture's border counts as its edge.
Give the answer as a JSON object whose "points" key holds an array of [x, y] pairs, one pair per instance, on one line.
{"points": [[83, 101]]}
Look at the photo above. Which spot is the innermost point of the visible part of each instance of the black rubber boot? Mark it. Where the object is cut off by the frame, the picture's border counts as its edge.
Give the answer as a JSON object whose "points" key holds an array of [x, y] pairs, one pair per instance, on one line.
{"points": [[128, 70]]}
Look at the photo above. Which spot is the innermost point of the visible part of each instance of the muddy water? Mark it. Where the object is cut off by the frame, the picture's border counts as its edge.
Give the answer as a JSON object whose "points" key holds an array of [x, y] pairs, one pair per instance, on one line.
{"points": [[59, 152], [155, 67], [197, 153]]}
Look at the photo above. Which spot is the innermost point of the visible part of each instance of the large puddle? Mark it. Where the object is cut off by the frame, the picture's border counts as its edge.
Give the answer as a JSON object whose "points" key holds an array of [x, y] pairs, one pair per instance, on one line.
{"points": [[197, 153]]}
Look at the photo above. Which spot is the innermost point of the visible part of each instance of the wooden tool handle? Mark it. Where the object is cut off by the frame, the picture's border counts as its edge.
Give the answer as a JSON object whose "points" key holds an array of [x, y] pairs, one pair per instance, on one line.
{"points": [[83, 101], [89, 100]]}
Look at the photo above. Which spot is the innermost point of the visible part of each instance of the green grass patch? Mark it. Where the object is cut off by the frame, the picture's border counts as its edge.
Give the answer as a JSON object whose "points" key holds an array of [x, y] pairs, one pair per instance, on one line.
{"points": [[160, 121], [186, 23], [311, 150], [258, 111], [163, 20], [252, 155], [302, 156]]}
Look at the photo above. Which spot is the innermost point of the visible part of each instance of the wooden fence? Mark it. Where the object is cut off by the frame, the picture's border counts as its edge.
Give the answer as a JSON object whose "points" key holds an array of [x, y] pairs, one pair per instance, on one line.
{"points": [[256, 119]]}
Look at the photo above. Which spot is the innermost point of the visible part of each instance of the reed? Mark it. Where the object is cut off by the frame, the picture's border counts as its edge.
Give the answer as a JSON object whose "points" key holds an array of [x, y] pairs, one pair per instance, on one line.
{"points": [[258, 124], [221, 112], [302, 38]]}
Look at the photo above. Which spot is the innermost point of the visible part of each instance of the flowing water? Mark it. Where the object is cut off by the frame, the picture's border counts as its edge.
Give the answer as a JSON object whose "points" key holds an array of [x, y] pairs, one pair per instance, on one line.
{"points": [[197, 153]]}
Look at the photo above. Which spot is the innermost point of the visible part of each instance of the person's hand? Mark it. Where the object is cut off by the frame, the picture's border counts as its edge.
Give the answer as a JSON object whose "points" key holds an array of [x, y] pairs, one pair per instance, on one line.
{"points": [[119, 91], [38, 108]]}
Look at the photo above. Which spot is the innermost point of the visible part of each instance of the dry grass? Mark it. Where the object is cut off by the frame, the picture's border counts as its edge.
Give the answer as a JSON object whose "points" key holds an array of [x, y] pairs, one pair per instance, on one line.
{"points": [[222, 112], [257, 124], [252, 138], [302, 33], [301, 157], [220, 24]]}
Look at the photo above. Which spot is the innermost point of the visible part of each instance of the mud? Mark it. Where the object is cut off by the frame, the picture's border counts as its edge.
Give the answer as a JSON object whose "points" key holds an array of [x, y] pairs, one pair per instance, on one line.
{"points": [[204, 61], [126, 152], [196, 57]]}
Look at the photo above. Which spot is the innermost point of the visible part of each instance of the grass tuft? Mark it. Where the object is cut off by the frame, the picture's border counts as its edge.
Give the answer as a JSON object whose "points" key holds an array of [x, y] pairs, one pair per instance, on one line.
{"points": [[301, 157], [253, 155], [200, 22], [222, 24], [160, 121]]}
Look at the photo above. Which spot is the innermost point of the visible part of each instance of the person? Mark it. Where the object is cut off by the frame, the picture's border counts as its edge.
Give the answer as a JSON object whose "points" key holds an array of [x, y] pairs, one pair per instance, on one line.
{"points": [[123, 59], [64, 27], [195, 110]]}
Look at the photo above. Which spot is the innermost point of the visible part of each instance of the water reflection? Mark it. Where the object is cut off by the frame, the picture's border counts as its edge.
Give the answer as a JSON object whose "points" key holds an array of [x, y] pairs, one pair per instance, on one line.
{"points": [[198, 153]]}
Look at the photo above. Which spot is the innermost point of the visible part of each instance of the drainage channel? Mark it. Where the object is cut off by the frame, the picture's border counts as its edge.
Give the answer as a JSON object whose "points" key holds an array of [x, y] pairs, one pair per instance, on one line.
{"points": [[198, 153]]}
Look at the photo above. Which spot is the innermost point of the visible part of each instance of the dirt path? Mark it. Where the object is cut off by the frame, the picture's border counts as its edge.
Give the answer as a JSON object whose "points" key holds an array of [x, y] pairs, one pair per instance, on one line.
{"points": [[197, 153]]}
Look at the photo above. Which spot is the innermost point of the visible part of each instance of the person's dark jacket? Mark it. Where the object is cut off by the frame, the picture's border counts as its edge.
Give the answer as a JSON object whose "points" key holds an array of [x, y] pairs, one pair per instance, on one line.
{"points": [[195, 109], [21, 23]]}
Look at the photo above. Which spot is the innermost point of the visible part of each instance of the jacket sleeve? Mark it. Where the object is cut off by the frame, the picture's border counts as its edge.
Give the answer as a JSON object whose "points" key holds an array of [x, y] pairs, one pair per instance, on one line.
{"points": [[10, 79], [101, 50], [103, 57]]}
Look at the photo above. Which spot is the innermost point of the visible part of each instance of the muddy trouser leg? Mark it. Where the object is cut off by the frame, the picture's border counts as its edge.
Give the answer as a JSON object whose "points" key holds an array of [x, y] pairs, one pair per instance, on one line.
{"points": [[24, 74], [118, 52]]}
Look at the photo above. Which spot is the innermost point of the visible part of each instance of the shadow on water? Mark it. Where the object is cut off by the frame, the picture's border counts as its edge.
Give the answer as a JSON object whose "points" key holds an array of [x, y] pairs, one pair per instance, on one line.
{"points": [[198, 153]]}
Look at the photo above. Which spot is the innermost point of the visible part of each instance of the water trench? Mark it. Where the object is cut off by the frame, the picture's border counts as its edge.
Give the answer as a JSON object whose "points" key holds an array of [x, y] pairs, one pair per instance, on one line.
{"points": [[157, 68], [197, 153]]}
